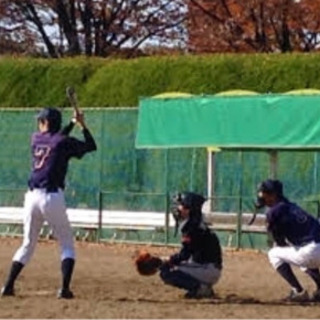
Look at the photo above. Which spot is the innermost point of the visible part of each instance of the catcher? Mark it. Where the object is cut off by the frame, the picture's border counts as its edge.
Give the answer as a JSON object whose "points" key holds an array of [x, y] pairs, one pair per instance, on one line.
{"points": [[198, 264]]}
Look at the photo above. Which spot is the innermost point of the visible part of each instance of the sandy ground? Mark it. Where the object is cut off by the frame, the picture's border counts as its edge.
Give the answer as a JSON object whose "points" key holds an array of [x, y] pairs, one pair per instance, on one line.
{"points": [[107, 286]]}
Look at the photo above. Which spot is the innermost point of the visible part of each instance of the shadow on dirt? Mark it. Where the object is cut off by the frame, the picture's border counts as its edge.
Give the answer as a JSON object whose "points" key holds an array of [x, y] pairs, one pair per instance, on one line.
{"points": [[230, 299]]}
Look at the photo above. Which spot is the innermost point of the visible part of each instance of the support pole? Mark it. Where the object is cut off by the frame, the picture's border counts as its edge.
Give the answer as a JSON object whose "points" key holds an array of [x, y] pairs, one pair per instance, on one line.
{"points": [[167, 196], [239, 216], [210, 178], [273, 164], [100, 206]]}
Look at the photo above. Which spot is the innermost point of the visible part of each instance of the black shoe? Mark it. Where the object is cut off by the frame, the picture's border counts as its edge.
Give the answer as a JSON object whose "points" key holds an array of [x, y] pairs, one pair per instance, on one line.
{"points": [[7, 292], [65, 294], [316, 296], [202, 292], [191, 294]]}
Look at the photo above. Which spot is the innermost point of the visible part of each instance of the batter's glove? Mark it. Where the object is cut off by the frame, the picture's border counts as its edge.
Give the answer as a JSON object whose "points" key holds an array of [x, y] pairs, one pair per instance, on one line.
{"points": [[147, 264]]}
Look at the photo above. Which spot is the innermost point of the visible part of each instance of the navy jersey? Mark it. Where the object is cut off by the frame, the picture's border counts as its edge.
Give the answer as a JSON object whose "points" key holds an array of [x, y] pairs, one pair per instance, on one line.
{"points": [[199, 243], [287, 221], [50, 156]]}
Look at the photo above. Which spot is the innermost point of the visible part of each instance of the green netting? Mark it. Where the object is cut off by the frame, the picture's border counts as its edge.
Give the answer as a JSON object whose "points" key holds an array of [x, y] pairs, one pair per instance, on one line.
{"points": [[237, 173], [133, 179], [11, 197], [134, 201], [117, 166]]}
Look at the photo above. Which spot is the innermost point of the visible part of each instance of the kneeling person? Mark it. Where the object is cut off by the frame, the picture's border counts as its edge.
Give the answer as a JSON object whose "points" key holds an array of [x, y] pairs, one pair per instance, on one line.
{"points": [[198, 264], [296, 236]]}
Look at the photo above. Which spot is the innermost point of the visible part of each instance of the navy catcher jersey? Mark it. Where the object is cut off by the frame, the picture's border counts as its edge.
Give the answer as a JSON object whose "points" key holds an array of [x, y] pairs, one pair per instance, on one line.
{"points": [[50, 156], [288, 221]]}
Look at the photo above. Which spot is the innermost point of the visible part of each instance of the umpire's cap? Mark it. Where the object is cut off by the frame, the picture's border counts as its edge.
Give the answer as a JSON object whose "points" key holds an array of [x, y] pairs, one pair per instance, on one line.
{"points": [[271, 186], [53, 116]]}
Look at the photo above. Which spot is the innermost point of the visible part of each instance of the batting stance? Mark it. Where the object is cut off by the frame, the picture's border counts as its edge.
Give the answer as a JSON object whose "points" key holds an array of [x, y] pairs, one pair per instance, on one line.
{"points": [[198, 264], [297, 239], [44, 201]]}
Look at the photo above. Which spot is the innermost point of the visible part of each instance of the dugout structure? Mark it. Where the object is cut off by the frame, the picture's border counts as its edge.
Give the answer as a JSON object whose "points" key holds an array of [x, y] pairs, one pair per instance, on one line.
{"points": [[259, 132]]}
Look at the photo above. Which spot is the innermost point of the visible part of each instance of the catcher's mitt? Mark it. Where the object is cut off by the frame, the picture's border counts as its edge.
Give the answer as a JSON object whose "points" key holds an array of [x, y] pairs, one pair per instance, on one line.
{"points": [[147, 264]]}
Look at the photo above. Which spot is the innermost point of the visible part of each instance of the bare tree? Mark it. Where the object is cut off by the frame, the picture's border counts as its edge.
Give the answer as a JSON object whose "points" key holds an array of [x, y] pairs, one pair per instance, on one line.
{"points": [[92, 27], [253, 25]]}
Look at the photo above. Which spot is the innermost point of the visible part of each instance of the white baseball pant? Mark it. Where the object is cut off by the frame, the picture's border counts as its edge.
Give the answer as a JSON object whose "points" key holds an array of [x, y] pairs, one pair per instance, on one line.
{"points": [[40, 206], [307, 256]]}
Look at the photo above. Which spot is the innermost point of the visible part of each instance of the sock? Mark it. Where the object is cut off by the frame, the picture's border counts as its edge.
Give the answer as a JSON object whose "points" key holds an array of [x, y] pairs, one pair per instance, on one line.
{"points": [[15, 270], [67, 270], [315, 276], [286, 272]]}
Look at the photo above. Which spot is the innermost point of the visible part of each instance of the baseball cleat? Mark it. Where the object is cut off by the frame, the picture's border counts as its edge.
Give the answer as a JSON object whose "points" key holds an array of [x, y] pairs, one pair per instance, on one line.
{"points": [[65, 294], [316, 296], [7, 292], [296, 296], [202, 292]]}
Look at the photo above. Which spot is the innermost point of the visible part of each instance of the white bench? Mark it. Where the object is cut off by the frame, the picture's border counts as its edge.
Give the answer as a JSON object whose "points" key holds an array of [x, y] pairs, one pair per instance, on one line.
{"points": [[88, 221], [131, 222], [229, 221], [12, 218]]}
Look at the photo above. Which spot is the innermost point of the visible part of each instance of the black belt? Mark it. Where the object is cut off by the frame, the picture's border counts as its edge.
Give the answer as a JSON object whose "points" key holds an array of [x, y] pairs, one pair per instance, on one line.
{"points": [[48, 189]]}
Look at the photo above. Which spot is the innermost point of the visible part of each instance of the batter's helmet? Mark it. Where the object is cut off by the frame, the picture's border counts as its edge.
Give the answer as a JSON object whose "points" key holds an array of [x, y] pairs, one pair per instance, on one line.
{"points": [[53, 116]]}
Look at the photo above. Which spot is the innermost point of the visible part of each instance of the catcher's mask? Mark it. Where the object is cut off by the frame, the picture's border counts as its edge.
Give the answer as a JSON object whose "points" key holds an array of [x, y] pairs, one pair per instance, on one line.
{"points": [[53, 116], [190, 200], [271, 187]]}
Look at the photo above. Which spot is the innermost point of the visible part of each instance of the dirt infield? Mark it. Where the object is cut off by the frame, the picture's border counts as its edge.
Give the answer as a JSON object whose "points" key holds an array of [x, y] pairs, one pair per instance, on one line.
{"points": [[107, 286]]}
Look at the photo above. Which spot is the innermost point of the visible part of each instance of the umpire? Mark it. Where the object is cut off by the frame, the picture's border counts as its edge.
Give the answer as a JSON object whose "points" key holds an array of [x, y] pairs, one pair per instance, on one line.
{"points": [[297, 239], [51, 150]]}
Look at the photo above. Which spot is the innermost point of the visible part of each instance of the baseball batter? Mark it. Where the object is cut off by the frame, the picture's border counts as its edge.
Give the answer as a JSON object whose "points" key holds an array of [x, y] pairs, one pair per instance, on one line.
{"points": [[297, 239], [51, 150], [197, 266]]}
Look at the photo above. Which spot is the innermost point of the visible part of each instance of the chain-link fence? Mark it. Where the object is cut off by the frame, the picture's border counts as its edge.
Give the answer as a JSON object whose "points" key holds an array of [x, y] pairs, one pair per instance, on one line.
{"points": [[119, 177]]}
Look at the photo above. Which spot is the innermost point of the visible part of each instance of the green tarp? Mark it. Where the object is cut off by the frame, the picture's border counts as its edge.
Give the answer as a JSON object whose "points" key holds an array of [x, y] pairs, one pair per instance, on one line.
{"points": [[245, 122]]}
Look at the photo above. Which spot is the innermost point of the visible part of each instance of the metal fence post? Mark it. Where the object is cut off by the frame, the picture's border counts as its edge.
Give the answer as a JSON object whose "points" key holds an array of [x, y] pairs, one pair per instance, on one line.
{"points": [[100, 204], [167, 224], [239, 225]]}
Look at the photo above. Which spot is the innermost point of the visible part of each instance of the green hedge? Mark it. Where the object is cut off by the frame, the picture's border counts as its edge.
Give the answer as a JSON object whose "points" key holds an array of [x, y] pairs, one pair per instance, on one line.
{"points": [[115, 82]]}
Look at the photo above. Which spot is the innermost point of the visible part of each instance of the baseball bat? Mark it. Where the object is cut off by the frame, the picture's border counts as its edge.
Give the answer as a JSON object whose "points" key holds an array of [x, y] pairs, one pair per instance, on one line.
{"points": [[72, 97]]}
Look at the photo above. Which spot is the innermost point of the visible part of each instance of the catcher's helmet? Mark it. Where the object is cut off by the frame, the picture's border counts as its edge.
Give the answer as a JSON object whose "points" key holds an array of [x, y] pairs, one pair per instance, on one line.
{"points": [[53, 116], [191, 200]]}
